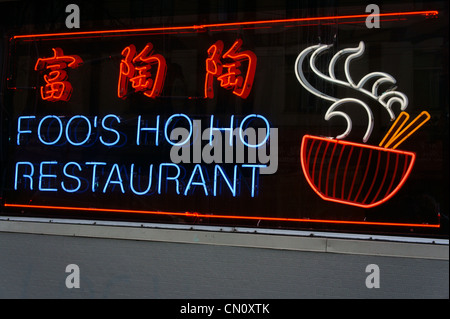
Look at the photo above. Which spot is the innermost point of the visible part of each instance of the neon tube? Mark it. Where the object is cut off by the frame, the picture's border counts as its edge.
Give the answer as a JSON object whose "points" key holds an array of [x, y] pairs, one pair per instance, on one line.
{"points": [[309, 169], [195, 28], [197, 215]]}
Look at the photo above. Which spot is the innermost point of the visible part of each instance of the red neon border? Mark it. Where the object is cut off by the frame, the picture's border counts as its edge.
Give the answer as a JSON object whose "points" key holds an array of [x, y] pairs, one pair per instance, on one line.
{"points": [[199, 28], [222, 25], [195, 214]]}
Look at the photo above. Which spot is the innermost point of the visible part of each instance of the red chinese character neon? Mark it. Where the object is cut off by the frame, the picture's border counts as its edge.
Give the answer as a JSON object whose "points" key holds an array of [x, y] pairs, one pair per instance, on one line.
{"points": [[136, 69], [56, 87], [233, 77]]}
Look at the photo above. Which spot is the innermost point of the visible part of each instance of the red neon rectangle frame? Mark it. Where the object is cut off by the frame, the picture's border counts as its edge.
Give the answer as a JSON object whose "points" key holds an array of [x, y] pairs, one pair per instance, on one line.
{"points": [[196, 28]]}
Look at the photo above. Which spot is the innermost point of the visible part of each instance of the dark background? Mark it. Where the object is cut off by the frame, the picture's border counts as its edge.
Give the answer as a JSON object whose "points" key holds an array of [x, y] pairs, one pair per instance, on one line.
{"points": [[414, 51]]}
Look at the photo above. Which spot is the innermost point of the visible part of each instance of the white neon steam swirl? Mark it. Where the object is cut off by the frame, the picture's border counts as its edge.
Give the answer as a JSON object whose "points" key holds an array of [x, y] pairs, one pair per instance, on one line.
{"points": [[301, 77], [331, 112], [387, 99]]}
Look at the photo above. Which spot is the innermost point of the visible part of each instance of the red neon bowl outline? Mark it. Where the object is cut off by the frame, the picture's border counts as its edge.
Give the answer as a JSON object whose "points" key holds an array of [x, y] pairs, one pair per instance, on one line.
{"points": [[306, 155]]}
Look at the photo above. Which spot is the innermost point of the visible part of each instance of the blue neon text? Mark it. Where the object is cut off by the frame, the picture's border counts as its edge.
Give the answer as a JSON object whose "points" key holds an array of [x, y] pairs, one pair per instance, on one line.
{"points": [[73, 177]]}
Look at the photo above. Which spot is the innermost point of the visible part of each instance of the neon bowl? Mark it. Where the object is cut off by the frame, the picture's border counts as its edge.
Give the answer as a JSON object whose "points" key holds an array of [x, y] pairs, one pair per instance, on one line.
{"points": [[352, 173]]}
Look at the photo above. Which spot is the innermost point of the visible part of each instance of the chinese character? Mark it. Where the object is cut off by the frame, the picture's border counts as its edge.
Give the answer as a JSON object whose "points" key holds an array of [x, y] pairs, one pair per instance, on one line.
{"points": [[146, 72], [230, 73], [57, 88]]}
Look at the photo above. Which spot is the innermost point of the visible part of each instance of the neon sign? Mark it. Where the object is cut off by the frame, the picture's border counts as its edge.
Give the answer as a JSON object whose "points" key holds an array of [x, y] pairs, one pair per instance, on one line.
{"points": [[233, 78], [398, 133], [157, 158], [312, 154], [336, 182], [46, 173], [386, 99], [57, 88], [84, 177], [137, 69]]}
